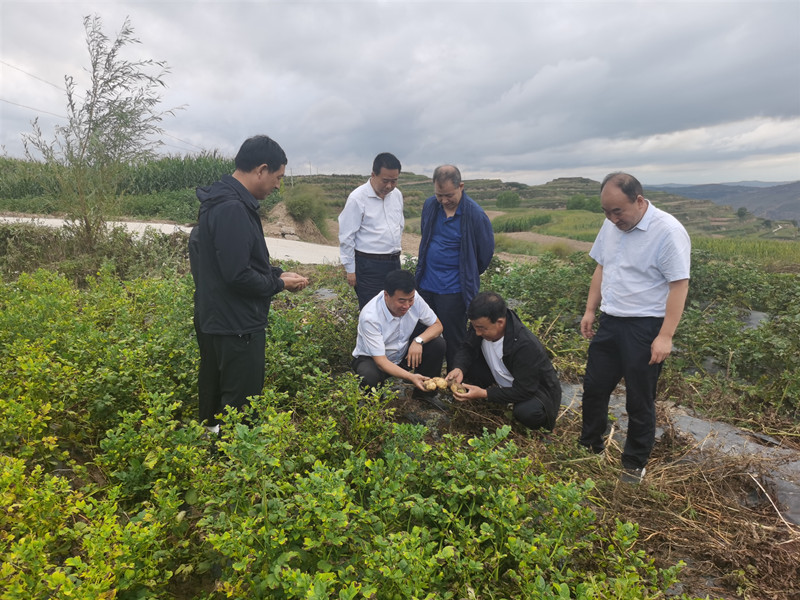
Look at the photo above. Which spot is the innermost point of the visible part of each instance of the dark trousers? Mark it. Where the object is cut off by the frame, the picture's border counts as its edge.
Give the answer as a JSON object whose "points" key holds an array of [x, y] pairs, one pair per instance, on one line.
{"points": [[371, 271], [531, 413], [431, 365], [231, 369], [452, 312], [621, 348]]}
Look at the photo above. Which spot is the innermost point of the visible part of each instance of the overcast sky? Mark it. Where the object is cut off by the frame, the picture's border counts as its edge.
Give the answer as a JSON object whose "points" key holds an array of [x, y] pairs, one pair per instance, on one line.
{"points": [[528, 91]]}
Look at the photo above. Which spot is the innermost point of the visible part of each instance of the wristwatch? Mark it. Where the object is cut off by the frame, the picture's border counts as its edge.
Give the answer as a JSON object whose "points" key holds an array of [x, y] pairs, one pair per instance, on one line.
{"points": [[419, 340]]}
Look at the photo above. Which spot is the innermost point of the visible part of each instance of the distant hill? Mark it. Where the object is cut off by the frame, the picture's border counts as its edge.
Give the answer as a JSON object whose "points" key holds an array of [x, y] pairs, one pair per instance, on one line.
{"points": [[775, 202]]}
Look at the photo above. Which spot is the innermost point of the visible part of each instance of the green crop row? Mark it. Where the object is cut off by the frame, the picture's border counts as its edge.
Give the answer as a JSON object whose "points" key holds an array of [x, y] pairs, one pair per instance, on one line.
{"points": [[110, 488]]}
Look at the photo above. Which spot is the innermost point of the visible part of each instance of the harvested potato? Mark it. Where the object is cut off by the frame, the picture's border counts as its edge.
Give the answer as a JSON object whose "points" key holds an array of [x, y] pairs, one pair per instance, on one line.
{"points": [[440, 382], [457, 388], [430, 385]]}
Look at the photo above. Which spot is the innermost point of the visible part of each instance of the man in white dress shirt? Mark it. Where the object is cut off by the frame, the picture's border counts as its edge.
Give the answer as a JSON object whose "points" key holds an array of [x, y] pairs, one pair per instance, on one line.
{"points": [[398, 332], [371, 229]]}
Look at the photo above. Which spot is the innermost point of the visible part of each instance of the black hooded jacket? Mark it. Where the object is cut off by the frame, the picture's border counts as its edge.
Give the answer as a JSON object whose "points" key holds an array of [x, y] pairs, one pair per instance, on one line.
{"points": [[526, 359], [234, 282]]}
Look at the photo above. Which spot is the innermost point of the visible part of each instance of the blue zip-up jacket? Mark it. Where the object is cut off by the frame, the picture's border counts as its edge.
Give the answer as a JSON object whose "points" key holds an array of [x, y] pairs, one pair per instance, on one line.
{"points": [[477, 243]]}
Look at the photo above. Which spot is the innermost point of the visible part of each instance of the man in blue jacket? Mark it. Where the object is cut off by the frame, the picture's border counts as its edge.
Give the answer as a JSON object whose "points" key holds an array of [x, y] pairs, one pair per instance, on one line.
{"points": [[234, 281], [456, 247]]}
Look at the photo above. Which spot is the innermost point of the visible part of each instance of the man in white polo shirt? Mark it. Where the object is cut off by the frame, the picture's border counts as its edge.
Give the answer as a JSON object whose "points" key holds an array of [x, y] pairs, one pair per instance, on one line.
{"points": [[398, 332], [640, 285]]}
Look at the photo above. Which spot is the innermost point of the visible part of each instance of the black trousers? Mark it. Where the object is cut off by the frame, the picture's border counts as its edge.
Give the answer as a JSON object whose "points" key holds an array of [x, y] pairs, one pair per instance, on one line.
{"points": [[621, 348], [371, 271], [231, 370], [531, 412], [431, 365], [452, 313]]}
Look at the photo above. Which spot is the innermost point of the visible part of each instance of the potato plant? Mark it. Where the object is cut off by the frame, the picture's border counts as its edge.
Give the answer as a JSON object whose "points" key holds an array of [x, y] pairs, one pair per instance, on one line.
{"points": [[110, 488]]}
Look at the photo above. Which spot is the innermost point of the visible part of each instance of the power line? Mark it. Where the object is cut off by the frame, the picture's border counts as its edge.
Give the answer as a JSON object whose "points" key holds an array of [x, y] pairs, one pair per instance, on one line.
{"points": [[32, 108], [61, 89]]}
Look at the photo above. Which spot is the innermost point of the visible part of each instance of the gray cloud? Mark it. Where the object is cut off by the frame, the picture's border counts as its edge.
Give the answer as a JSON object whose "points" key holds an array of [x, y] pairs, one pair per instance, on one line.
{"points": [[525, 91]]}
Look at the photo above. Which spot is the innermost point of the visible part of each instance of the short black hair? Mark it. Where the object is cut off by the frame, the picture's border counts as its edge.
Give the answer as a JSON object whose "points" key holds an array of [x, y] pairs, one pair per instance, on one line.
{"points": [[385, 160], [399, 279], [628, 184], [259, 150], [487, 304]]}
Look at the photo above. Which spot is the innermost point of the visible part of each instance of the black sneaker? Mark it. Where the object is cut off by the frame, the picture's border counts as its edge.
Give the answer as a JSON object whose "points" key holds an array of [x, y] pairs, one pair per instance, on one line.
{"points": [[632, 476]]}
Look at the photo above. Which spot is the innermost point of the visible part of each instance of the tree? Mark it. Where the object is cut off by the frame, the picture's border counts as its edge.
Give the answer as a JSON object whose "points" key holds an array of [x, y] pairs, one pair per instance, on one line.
{"points": [[507, 199], [111, 126], [576, 202], [742, 213]]}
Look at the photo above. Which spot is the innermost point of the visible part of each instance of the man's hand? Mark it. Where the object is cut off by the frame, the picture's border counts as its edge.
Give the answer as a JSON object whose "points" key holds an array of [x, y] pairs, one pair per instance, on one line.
{"points": [[294, 282], [473, 392], [414, 356], [351, 279], [418, 381], [660, 349], [455, 376], [587, 325]]}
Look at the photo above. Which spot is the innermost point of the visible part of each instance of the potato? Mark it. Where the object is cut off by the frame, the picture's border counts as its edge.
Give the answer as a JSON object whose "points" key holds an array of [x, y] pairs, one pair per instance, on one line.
{"points": [[430, 385], [457, 388], [441, 383]]}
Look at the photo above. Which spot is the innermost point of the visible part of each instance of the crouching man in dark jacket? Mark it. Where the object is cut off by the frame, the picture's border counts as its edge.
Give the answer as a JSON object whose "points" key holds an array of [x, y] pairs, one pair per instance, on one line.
{"points": [[502, 361]]}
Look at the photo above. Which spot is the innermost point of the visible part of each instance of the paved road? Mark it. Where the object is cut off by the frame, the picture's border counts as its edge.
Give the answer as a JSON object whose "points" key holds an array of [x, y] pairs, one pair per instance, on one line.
{"points": [[279, 248]]}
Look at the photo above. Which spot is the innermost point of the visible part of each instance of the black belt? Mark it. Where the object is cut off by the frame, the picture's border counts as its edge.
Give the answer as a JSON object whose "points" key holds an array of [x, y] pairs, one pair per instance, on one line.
{"points": [[392, 256]]}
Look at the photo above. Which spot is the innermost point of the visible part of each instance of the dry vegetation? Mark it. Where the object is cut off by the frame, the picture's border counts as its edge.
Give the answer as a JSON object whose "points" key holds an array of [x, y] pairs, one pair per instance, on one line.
{"points": [[706, 510]]}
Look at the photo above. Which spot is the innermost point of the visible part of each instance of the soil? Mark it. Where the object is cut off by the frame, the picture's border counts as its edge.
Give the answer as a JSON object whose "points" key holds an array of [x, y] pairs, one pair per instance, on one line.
{"points": [[279, 223]]}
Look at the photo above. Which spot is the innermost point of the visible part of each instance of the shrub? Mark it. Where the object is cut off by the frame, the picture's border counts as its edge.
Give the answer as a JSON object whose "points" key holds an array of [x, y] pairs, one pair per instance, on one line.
{"points": [[509, 223], [507, 199], [307, 202]]}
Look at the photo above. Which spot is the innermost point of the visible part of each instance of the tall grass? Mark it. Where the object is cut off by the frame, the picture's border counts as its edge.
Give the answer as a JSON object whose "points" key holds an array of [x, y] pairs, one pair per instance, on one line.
{"points": [[780, 255], [177, 173], [28, 179], [519, 222]]}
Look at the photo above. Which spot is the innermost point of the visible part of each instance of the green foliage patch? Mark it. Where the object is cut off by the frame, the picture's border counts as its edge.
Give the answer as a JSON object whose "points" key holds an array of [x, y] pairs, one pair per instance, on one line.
{"points": [[111, 488], [311, 492]]}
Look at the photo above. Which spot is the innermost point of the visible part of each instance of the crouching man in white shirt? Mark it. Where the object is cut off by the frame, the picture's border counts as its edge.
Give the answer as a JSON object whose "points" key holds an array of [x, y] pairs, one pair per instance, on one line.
{"points": [[398, 336]]}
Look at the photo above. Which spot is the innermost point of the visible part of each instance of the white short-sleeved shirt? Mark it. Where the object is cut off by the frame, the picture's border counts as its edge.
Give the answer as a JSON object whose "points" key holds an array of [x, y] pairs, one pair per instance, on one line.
{"points": [[382, 334], [493, 353], [639, 264], [370, 224]]}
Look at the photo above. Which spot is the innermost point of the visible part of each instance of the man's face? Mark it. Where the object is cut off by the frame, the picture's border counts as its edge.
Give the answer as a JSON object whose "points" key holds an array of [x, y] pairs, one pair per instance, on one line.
{"points": [[267, 182], [619, 209], [448, 195], [400, 302], [491, 332], [384, 182]]}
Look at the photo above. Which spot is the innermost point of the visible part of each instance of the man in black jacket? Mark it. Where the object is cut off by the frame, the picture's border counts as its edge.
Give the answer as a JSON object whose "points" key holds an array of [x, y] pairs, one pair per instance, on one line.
{"points": [[234, 281], [502, 361]]}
